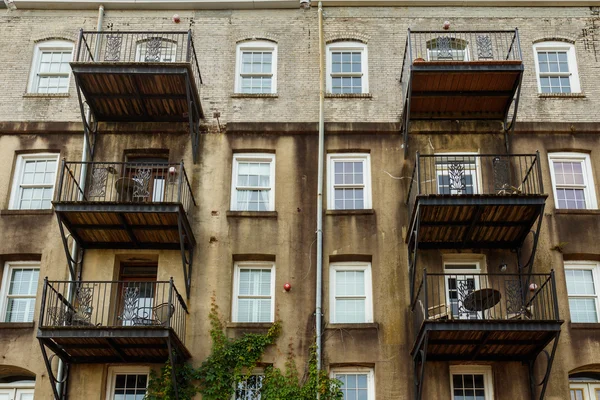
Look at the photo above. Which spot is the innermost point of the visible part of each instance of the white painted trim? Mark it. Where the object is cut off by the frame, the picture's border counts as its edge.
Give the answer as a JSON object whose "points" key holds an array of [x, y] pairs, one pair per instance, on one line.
{"points": [[24, 384], [8, 267], [128, 369], [486, 370], [354, 157], [351, 266], [593, 266], [13, 204], [589, 191], [47, 45], [349, 46], [358, 370], [236, 285], [571, 60], [256, 45], [252, 157], [460, 259]]}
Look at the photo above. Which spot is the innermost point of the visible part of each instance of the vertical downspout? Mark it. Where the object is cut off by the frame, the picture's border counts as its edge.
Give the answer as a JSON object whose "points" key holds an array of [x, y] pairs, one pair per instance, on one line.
{"points": [[319, 299], [82, 179]]}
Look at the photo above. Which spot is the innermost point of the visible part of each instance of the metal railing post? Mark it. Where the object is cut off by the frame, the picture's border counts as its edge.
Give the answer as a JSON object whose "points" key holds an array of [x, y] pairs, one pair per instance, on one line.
{"points": [[171, 305], [418, 168], [425, 294], [79, 40], [518, 44], [188, 56], [180, 182], [43, 308], [410, 58], [539, 168], [554, 294], [60, 181]]}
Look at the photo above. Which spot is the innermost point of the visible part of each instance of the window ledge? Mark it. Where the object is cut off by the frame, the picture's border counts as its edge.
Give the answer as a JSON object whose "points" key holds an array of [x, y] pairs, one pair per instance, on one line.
{"points": [[249, 325], [368, 211], [366, 325], [16, 325], [254, 96], [348, 95], [570, 211], [27, 212], [561, 95], [46, 95], [585, 325], [252, 214]]}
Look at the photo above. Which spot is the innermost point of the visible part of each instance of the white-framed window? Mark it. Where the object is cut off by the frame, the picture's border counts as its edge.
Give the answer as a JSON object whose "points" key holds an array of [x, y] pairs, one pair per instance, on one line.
{"points": [[583, 289], [347, 68], [472, 382], [33, 182], [50, 69], [127, 382], [461, 280], [349, 181], [351, 292], [457, 173], [446, 48], [18, 292], [572, 181], [556, 67], [584, 386], [253, 292], [253, 182], [249, 389], [358, 383], [17, 390], [256, 67], [156, 49]]}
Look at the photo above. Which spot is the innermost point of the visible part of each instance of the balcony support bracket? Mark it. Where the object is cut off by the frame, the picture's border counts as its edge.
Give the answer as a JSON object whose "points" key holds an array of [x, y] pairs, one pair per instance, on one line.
{"points": [[74, 264], [406, 115], [59, 387], [546, 378], [194, 115], [420, 357], [510, 127], [90, 124], [413, 251], [187, 254]]}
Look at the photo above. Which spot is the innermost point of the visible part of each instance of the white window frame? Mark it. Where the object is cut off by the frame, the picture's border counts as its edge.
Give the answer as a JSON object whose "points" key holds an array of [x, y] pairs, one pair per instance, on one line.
{"points": [[255, 45], [359, 371], [465, 50], [588, 388], [15, 195], [41, 47], [589, 189], [252, 157], [485, 370], [571, 60], [351, 266], [236, 287], [365, 158], [18, 388], [166, 44], [476, 176], [593, 266], [461, 259], [255, 372], [9, 266], [348, 46], [119, 370]]}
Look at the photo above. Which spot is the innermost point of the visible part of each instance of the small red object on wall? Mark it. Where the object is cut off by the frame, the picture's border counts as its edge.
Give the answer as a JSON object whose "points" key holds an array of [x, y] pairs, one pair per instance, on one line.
{"points": [[287, 287]]}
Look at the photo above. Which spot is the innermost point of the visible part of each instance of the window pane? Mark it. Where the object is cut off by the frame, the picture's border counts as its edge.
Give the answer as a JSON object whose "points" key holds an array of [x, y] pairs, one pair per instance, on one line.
{"points": [[580, 282], [583, 310], [354, 386]]}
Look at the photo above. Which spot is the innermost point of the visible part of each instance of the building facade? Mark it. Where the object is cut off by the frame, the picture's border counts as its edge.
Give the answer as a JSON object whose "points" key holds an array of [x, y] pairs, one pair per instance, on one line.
{"points": [[161, 157]]}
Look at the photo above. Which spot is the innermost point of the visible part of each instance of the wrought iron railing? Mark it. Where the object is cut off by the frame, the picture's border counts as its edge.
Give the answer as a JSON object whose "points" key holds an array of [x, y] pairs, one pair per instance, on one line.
{"points": [[475, 174], [125, 182], [144, 46], [500, 296], [113, 304]]}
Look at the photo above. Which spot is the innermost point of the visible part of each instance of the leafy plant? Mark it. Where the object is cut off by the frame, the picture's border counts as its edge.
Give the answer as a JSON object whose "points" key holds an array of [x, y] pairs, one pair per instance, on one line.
{"points": [[160, 387]]}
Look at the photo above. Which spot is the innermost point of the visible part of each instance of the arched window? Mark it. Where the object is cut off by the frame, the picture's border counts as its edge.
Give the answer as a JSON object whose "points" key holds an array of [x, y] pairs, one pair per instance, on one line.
{"points": [[584, 386], [16, 383], [446, 48], [50, 70], [156, 49], [556, 67], [256, 67], [347, 68]]}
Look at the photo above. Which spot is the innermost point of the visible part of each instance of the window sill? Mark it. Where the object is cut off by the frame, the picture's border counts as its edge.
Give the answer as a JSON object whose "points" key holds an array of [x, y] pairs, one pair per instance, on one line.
{"points": [[254, 96], [16, 325], [27, 212], [46, 95], [369, 211], [249, 325], [348, 95], [366, 325], [576, 212], [585, 325], [561, 95], [252, 214]]}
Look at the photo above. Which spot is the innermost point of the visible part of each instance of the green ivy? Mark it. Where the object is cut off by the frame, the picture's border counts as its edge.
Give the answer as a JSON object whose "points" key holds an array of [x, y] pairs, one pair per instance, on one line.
{"points": [[160, 387]]}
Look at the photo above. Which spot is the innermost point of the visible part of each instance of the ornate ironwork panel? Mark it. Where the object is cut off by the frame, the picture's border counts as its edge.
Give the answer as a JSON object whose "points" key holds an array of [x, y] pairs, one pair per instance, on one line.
{"points": [[142, 183], [153, 47], [130, 298], [514, 296], [98, 183], [443, 47], [83, 305], [56, 316], [113, 48], [456, 176], [464, 287], [484, 47], [501, 171]]}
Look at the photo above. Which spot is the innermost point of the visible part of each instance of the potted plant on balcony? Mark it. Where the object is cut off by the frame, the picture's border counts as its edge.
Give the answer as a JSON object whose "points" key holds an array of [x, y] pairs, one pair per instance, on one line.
{"points": [[419, 58]]}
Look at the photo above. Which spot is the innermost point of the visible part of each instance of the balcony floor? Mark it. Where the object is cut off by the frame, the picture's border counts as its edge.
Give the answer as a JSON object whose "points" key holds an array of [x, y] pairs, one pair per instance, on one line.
{"points": [[463, 89], [482, 221], [488, 340], [102, 225], [137, 91], [112, 344]]}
